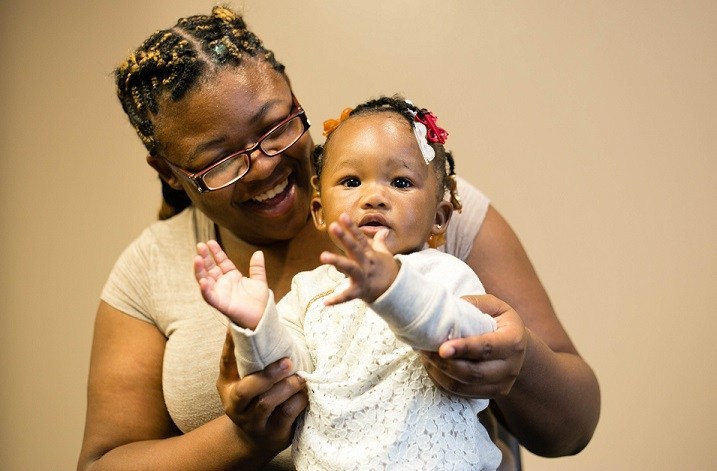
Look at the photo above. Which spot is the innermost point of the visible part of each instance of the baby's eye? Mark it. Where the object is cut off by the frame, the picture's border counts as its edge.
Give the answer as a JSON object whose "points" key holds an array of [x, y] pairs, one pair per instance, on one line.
{"points": [[351, 182], [401, 183]]}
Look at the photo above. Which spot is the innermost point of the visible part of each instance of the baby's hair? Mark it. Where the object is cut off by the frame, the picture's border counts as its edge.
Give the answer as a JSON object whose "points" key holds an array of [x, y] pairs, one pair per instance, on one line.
{"points": [[172, 61], [443, 163]]}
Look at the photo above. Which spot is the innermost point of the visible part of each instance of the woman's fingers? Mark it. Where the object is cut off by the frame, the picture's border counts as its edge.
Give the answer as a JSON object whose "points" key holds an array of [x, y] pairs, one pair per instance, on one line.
{"points": [[483, 365], [271, 398]]}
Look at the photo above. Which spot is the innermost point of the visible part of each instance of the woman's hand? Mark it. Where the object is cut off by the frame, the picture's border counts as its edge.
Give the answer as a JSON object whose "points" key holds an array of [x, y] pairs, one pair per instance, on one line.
{"points": [[263, 405], [482, 366]]}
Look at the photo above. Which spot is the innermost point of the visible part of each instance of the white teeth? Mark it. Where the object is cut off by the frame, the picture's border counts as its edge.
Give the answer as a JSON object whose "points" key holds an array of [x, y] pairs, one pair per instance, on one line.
{"points": [[271, 193]]}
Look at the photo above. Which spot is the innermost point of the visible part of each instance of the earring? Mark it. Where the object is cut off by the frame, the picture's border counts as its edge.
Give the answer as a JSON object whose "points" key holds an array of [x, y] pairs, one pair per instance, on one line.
{"points": [[436, 240]]}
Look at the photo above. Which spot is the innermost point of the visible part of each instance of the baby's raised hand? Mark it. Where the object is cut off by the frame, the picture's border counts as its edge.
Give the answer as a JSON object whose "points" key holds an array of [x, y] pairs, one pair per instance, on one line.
{"points": [[368, 263], [242, 299]]}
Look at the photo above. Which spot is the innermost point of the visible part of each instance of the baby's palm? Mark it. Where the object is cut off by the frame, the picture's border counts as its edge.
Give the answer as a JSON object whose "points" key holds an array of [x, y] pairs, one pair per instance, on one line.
{"points": [[239, 297], [242, 299], [369, 264]]}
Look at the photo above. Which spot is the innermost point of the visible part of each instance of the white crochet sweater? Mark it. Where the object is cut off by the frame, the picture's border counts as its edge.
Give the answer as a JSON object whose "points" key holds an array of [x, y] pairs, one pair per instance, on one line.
{"points": [[371, 403]]}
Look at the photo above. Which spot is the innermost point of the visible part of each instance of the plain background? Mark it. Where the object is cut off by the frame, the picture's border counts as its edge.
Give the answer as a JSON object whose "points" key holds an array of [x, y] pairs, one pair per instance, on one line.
{"points": [[591, 125]]}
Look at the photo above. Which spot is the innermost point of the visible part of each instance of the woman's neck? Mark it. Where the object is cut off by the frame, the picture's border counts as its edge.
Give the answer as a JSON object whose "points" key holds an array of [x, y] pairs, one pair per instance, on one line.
{"points": [[283, 259]]}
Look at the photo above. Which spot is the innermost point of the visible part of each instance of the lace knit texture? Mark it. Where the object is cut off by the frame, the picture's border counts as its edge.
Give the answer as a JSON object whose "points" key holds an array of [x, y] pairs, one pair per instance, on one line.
{"points": [[373, 406]]}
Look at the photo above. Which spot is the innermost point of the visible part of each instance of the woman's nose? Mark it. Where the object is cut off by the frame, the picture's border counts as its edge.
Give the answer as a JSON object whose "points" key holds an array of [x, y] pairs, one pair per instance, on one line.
{"points": [[261, 166]]}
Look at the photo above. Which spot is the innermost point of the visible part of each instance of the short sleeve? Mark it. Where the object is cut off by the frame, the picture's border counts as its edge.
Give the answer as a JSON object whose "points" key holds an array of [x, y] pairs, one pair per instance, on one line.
{"points": [[126, 288], [464, 226]]}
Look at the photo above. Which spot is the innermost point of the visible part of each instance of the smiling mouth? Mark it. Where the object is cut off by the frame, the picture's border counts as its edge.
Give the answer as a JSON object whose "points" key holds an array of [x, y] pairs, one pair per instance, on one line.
{"points": [[272, 192]]}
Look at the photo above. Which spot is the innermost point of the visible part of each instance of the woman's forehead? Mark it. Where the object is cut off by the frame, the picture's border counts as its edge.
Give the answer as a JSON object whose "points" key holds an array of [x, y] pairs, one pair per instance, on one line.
{"points": [[232, 100]]}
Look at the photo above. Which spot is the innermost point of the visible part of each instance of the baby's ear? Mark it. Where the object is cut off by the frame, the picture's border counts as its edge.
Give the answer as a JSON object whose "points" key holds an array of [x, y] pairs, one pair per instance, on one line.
{"points": [[164, 171], [444, 211], [315, 187], [437, 237], [317, 212]]}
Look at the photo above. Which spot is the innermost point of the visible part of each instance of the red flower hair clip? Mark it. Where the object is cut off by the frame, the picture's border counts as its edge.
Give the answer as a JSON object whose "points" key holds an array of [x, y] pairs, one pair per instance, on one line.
{"points": [[434, 133]]}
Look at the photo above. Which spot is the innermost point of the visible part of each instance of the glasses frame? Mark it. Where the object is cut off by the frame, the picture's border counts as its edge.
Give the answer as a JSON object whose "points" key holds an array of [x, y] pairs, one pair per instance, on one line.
{"points": [[197, 178]]}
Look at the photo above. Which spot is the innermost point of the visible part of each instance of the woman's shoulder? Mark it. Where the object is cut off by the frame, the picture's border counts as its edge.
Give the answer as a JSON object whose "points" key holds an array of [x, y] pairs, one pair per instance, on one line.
{"points": [[156, 267], [475, 202], [182, 230], [188, 224], [465, 224], [162, 246]]}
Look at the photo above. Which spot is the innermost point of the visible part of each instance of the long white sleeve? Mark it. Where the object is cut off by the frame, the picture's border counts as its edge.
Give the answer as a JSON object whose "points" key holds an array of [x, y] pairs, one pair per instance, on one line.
{"points": [[270, 341], [423, 306], [280, 332]]}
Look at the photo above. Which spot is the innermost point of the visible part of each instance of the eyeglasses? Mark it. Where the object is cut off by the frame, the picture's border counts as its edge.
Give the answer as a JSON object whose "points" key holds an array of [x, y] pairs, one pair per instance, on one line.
{"points": [[231, 168]]}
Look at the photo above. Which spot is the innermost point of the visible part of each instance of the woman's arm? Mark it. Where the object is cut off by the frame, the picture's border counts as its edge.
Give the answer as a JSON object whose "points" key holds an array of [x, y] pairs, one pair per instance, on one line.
{"points": [[542, 390], [128, 426]]}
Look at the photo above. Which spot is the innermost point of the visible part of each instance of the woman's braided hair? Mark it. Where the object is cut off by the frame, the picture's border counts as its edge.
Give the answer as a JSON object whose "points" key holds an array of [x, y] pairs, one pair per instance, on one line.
{"points": [[443, 163], [172, 61]]}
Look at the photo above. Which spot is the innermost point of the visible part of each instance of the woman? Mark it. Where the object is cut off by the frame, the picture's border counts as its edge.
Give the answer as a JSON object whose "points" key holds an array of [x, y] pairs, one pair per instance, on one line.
{"points": [[228, 138]]}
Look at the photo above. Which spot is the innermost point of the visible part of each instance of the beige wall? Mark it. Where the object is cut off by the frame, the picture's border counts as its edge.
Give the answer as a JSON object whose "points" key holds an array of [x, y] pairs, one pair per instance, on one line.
{"points": [[591, 125]]}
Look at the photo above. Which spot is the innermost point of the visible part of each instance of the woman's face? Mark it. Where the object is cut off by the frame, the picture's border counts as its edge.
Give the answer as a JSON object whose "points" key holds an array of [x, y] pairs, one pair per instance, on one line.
{"points": [[226, 113]]}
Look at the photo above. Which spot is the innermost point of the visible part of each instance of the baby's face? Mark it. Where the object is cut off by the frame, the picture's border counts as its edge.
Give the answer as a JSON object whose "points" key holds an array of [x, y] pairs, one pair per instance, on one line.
{"points": [[374, 172]]}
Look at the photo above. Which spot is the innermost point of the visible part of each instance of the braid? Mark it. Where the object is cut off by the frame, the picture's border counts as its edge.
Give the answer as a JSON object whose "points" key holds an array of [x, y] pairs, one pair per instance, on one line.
{"points": [[172, 199], [443, 163], [172, 61], [396, 104]]}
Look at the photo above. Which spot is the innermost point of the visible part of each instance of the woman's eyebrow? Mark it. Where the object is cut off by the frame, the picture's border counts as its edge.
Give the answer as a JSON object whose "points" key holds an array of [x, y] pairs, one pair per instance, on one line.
{"points": [[216, 142], [197, 151]]}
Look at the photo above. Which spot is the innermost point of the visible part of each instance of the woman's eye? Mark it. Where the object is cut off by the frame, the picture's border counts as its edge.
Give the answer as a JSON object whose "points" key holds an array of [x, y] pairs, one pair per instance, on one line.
{"points": [[351, 182], [402, 183]]}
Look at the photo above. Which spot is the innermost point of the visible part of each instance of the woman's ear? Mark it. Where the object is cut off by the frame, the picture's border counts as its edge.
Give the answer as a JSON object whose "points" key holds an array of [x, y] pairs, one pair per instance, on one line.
{"points": [[164, 171]]}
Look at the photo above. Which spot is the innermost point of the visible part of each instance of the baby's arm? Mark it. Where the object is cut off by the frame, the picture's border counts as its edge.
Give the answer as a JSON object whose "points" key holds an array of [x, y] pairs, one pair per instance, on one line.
{"points": [[260, 338], [419, 309], [423, 308]]}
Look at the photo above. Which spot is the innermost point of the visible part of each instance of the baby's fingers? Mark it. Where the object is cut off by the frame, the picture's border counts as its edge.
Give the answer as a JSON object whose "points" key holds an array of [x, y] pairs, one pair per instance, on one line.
{"points": [[343, 237], [203, 255], [220, 257], [354, 232], [257, 268], [343, 264], [379, 241], [200, 269], [205, 270], [348, 294]]}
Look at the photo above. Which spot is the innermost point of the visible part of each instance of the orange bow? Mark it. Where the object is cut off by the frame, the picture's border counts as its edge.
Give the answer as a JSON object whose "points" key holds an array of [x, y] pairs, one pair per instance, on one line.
{"points": [[331, 124]]}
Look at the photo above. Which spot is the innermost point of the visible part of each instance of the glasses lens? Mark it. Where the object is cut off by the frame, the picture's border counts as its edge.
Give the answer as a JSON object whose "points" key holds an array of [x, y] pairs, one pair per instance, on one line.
{"points": [[227, 172], [283, 137]]}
